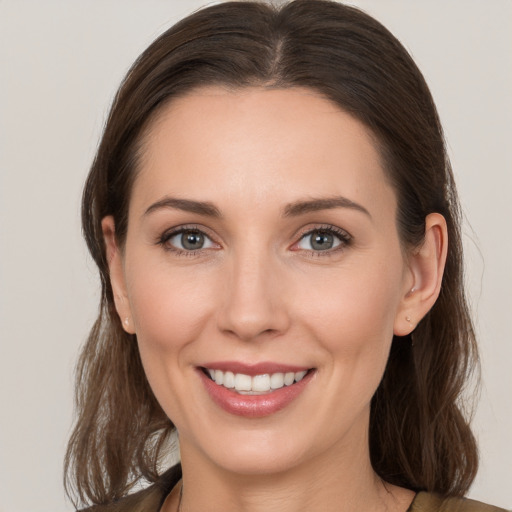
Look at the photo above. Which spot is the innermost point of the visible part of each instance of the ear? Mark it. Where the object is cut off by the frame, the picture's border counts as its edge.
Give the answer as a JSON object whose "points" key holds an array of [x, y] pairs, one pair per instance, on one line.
{"points": [[426, 267], [116, 270]]}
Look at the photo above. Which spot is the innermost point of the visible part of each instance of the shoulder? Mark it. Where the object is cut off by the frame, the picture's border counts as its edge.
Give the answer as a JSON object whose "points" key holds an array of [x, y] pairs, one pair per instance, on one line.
{"points": [[427, 502], [147, 500]]}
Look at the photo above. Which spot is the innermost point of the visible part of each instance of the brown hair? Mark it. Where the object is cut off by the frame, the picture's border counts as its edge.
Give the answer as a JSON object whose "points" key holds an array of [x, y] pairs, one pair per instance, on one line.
{"points": [[419, 436]]}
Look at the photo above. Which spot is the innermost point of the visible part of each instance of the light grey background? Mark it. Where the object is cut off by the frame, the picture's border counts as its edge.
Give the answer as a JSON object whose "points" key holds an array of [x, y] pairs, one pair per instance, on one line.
{"points": [[60, 64]]}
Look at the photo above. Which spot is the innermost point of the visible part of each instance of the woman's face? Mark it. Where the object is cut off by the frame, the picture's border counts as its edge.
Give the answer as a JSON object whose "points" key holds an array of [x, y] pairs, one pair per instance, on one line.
{"points": [[262, 249]]}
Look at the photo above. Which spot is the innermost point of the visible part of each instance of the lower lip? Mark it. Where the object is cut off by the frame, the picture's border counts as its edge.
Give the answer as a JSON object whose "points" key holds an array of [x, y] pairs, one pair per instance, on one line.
{"points": [[254, 406]]}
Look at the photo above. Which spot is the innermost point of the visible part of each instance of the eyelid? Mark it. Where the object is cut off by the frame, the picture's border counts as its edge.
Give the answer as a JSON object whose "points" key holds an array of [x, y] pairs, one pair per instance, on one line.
{"points": [[164, 238], [343, 236]]}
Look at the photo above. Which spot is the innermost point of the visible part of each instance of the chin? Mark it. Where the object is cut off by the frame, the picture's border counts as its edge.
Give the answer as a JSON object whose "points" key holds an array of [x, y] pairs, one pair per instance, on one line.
{"points": [[258, 462], [248, 451]]}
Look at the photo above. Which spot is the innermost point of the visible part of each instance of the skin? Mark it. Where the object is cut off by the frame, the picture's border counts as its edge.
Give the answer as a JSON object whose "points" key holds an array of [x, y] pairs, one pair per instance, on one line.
{"points": [[258, 291]]}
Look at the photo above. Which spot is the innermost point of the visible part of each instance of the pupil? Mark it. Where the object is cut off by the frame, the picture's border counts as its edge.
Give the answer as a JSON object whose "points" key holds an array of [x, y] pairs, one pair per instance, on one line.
{"points": [[322, 241], [192, 240]]}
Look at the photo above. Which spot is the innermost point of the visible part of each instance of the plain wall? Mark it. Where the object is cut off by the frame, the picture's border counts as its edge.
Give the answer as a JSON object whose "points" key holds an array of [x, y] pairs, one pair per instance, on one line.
{"points": [[60, 64]]}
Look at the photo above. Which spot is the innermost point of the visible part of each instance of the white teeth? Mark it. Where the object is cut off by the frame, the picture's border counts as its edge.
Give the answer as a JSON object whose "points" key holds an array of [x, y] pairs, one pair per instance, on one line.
{"points": [[277, 380], [300, 375], [289, 378], [242, 382], [261, 383], [258, 384], [229, 380]]}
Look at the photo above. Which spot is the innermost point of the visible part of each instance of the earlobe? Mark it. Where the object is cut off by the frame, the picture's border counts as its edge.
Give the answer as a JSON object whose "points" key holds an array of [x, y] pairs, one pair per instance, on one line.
{"points": [[426, 264], [117, 280]]}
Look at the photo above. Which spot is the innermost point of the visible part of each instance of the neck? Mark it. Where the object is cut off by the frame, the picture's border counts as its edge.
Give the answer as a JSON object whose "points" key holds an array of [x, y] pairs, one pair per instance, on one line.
{"points": [[327, 483]]}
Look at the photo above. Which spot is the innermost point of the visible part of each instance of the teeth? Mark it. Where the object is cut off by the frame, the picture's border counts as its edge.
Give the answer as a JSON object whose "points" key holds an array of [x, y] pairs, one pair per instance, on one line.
{"points": [[229, 380], [289, 378], [300, 375], [242, 382], [277, 380], [261, 383], [245, 384]]}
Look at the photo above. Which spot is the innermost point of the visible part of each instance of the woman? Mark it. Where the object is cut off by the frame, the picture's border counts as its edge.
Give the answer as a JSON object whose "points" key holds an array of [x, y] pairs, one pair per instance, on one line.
{"points": [[276, 226]]}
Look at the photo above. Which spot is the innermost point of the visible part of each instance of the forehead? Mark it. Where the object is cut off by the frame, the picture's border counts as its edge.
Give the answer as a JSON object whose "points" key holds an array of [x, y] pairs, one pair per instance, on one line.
{"points": [[260, 145]]}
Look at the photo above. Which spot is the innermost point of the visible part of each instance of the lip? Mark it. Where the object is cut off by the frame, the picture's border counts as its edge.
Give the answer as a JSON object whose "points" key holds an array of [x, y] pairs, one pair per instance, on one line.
{"points": [[254, 406]]}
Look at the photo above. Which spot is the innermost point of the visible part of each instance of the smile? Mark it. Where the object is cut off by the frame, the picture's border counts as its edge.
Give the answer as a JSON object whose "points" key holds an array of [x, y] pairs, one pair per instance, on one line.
{"points": [[254, 391], [256, 384]]}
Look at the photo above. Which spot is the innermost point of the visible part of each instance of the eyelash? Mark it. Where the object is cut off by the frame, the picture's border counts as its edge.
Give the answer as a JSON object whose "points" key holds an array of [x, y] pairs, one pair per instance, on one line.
{"points": [[343, 236], [167, 235], [345, 239]]}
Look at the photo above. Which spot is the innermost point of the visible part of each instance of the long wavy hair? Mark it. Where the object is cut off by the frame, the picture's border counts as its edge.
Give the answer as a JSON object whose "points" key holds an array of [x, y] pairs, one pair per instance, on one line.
{"points": [[419, 432]]}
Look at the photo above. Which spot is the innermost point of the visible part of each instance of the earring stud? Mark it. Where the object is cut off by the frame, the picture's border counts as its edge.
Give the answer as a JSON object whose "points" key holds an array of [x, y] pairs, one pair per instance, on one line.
{"points": [[126, 321]]}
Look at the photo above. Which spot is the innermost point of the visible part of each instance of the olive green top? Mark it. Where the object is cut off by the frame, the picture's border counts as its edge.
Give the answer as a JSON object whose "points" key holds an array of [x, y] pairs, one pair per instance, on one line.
{"points": [[152, 498], [427, 502]]}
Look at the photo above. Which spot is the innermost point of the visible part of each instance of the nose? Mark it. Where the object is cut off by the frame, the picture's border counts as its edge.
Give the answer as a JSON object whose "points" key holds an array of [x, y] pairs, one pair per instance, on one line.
{"points": [[254, 304]]}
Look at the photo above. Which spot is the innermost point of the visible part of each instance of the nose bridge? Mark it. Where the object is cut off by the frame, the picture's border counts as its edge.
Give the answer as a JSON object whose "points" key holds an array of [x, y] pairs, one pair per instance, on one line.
{"points": [[253, 302]]}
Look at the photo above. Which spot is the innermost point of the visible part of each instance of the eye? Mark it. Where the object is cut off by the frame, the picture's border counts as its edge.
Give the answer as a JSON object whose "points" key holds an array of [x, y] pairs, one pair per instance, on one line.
{"points": [[186, 240], [323, 239]]}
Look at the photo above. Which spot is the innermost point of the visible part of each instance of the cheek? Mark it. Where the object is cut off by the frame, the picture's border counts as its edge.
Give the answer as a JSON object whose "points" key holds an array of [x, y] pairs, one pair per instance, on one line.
{"points": [[352, 310], [169, 305], [170, 309]]}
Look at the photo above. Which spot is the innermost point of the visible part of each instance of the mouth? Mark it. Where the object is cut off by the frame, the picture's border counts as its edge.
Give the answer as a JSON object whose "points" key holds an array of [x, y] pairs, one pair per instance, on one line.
{"points": [[254, 391], [258, 384]]}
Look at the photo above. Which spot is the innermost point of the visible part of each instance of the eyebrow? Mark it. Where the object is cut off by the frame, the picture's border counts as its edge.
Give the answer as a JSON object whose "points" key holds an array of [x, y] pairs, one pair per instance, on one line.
{"points": [[200, 207], [294, 209], [323, 203]]}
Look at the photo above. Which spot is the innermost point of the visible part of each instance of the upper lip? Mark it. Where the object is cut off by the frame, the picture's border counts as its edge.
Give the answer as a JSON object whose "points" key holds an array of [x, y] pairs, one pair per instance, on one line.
{"points": [[253, 369]]}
